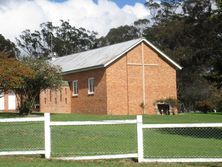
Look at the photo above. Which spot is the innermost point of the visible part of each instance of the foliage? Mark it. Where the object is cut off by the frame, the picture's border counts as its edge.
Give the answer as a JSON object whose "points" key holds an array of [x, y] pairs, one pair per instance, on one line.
{"points": [[204, 106], [141, 25], [45, 76], [8, 47], [27, 78], [117, 35], [12, 73], [215, 74], [124, 33], [192, 37], [162, 10], [59, 40]]}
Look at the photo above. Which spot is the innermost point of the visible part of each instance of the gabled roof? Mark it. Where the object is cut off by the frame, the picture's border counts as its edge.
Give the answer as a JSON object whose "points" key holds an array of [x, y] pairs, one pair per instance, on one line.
{"points": [[102, 57]]}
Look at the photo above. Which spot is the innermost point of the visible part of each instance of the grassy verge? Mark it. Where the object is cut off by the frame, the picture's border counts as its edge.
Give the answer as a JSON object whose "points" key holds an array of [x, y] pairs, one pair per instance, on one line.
{"points": [[40, 162]]}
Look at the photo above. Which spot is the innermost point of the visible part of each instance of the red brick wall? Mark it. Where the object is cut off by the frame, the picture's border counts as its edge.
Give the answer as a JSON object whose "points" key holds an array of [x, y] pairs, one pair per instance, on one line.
{"points": [[135, 82], [117, 91], [160, 79], [125, 82], [56, 101], [84, 103]]}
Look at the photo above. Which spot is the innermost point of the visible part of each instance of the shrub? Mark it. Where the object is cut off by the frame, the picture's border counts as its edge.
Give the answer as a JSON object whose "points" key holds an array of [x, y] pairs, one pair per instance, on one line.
{"points": [[204, 106]]}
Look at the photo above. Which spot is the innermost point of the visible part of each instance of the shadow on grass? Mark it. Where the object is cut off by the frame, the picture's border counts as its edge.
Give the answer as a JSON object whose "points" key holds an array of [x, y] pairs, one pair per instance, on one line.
{"points": [[9, 115], [17, 115], [212, 113], [208, 133]]}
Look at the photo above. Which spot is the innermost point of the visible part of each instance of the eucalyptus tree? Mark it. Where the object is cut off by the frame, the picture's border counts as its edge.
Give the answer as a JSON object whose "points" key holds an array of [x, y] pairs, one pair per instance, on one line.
{"points": [[62, 40]]}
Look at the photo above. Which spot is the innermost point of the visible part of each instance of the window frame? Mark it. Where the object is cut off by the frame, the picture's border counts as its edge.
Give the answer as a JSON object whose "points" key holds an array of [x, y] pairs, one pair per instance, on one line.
{"points": [[73, 88], [91, 85]]}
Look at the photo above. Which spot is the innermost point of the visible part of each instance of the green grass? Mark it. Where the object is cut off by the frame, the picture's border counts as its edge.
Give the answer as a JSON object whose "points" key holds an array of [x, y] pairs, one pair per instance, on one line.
{"points": [[94, 140], [112, 139], [183, 143], [180, 118], [21, 136], [40, 162]]}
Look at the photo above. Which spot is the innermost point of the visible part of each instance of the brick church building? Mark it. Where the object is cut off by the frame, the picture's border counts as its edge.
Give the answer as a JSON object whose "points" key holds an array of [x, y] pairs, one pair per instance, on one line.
{"points": [[121, 79]]}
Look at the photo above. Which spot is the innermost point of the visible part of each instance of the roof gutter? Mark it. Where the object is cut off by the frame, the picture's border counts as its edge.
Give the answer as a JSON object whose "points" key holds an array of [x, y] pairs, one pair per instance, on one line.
{"points": [[83, 69]]}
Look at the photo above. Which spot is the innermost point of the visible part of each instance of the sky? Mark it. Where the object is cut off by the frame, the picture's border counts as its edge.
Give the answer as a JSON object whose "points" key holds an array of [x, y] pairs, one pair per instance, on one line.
{"points": [[96, 15], [120, 3]]}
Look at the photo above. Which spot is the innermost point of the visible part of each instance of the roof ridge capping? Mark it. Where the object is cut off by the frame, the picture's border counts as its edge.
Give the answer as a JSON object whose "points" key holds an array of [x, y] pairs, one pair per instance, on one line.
{"points": [[142, 39]]}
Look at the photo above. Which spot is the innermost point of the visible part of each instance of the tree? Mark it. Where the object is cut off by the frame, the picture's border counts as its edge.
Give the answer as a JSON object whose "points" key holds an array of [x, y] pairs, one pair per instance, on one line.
{"points": [[28, 78], [119, 34], [153, 7], [8, 47], [192, 38], [214, 74], [72, 40], [124, 33], [162, 10], [141, 25], [12, 73], [61, 40], [45, 76]]}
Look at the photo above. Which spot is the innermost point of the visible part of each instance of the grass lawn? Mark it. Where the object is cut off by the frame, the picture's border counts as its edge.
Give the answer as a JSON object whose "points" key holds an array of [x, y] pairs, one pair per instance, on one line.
{"points": [[40, 162], [112, 139]]}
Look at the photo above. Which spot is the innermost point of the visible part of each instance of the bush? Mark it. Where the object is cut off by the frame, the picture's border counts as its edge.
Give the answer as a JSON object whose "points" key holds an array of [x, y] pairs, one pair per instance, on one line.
{"points": [[204, 106], [219, 106]]}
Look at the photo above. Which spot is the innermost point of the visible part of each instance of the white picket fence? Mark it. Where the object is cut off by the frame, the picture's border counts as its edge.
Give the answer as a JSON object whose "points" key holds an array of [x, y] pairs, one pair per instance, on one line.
{"points": [[140, 139]]}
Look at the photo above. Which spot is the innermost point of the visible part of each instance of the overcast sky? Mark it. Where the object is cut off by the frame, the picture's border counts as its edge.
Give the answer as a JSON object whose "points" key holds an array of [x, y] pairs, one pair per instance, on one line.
{"points": [[97, 15]]}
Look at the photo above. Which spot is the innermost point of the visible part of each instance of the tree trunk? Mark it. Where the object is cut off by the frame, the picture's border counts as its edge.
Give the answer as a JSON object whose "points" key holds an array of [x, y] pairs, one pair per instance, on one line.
{"points": [[26, 106]]}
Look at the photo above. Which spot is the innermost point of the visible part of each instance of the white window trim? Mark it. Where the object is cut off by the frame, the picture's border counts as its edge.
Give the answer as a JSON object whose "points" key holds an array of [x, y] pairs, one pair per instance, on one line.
{"points": [[73, 93], [89, 92]]}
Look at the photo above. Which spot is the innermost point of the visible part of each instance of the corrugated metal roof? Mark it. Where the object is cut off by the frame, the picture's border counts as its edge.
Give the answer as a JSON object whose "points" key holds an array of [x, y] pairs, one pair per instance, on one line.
{"points": [[92, 58], [97, 58]]}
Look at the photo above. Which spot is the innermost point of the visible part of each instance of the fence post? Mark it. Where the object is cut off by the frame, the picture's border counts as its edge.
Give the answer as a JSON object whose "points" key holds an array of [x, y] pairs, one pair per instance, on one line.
{"points": [[47, 136], [140, 138]]}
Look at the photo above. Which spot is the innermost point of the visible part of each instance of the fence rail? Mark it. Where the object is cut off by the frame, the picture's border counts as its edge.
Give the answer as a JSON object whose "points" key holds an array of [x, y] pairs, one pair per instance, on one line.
{"points": [[81, 123], [197, 125], [7, 120], [199, 142]]}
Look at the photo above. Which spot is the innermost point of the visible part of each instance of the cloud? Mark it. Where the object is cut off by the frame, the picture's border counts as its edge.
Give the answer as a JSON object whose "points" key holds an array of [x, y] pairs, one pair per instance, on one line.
{"points": [[18, 15]]}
